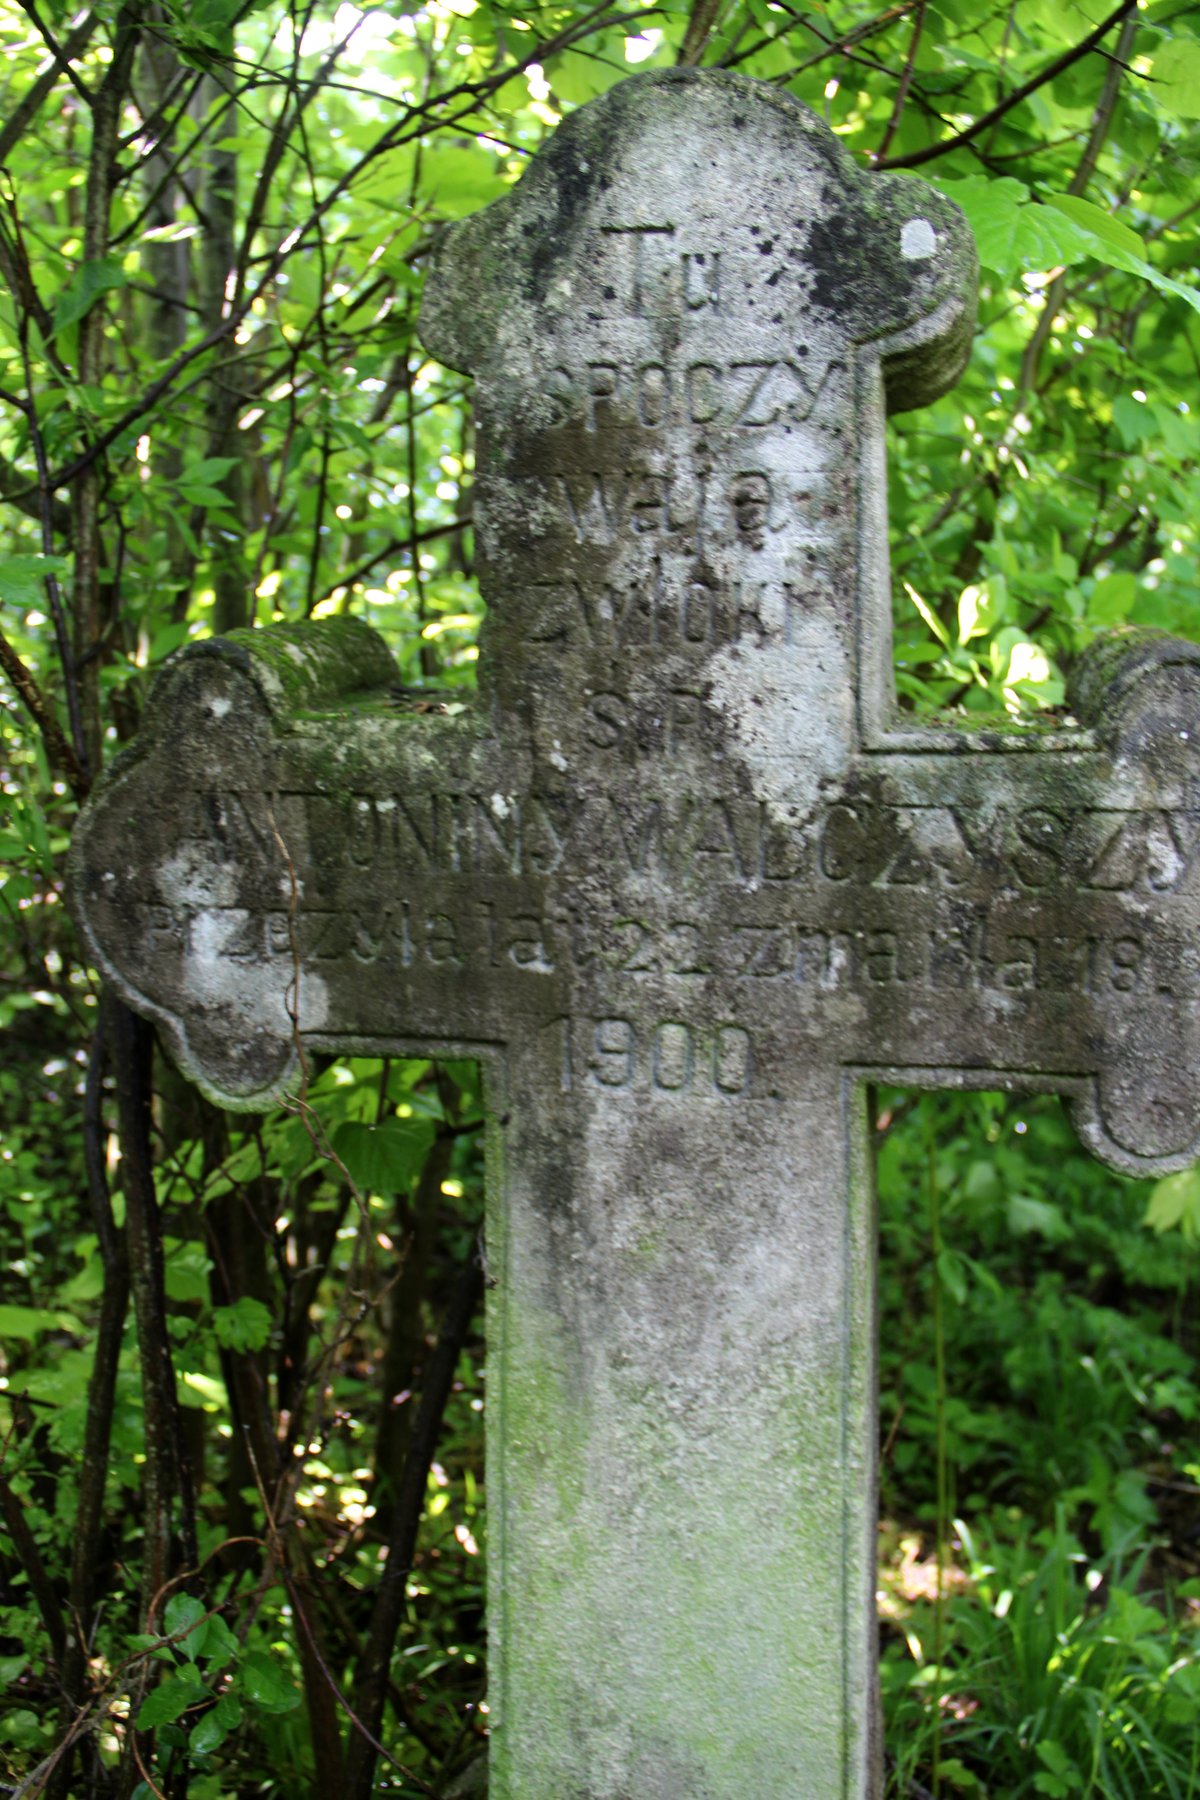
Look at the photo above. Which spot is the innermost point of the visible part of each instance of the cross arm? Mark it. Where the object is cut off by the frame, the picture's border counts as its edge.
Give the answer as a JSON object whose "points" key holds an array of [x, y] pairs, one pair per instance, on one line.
{"points": [[1032, 909], [289, 849]]}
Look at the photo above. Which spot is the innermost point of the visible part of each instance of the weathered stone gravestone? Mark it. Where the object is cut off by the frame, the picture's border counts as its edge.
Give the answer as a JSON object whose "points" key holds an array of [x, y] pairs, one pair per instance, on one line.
{"points": [[683, 884]]}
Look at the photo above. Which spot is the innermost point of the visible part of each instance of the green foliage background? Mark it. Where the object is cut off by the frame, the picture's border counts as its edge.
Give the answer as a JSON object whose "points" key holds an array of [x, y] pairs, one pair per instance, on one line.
{"points": [[242, 1518]]}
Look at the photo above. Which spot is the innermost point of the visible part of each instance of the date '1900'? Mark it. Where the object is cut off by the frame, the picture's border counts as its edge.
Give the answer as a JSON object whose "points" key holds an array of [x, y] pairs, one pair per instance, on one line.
{"points": [[622, 1055]]}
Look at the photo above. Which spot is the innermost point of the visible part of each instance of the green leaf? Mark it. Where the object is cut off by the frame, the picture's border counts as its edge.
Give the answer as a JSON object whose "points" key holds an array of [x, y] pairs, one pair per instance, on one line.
{"points": [[1174, 1203], [460, 178], [199, 494], [952, 1275], [1014, 233], [216, 1643], [927, 613], [246, 1325], [1104, 226], [1039, 1218], [148, 1640], [1134, 420], [265, 1684], [1112, 598], [980, 608], [211, 1731], [183, 1613], [202, 1391], [1028, 673], [209, 469], [170, 1701], [1175, 74], [21, 1727], [576, 78], [383, 1159], [1061, 1769], [82, 292], [27, 1321], [22, 578], [1046, 239], [185, 1270], [993, 211], [962, 1779]]}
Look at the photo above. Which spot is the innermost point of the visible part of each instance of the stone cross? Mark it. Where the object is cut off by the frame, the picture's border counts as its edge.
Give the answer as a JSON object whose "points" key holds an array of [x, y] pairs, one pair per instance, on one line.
{"points": [[683, 883]]}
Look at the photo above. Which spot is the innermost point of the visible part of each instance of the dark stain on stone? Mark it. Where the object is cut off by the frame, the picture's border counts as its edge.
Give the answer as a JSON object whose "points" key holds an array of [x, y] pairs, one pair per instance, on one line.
{"points": [[849, 273], [579, 166]]}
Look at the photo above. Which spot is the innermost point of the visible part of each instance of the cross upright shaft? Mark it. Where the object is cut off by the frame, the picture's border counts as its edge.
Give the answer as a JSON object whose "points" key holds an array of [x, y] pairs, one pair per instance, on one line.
{"points": [[682, 884]]}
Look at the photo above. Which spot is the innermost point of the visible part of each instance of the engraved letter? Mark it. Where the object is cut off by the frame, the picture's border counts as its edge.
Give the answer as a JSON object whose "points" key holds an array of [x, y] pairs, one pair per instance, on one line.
{"points": [[702, 280]]}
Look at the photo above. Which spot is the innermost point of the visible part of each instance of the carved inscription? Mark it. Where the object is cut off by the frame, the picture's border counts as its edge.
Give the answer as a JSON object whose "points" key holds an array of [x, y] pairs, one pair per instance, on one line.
{"points": [[621, 1055], [750, 395], [653, 274], [823, 955], [703, 838], [682, 510], [1102, 849], [657, 611]]}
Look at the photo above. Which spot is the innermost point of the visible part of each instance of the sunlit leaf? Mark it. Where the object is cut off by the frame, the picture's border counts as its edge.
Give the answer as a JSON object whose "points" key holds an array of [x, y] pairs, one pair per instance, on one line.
{"points": [[1174, 1203]]}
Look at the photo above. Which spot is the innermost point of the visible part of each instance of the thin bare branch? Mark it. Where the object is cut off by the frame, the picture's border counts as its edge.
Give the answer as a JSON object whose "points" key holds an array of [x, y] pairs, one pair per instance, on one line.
{"points": [[916, 158]]}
